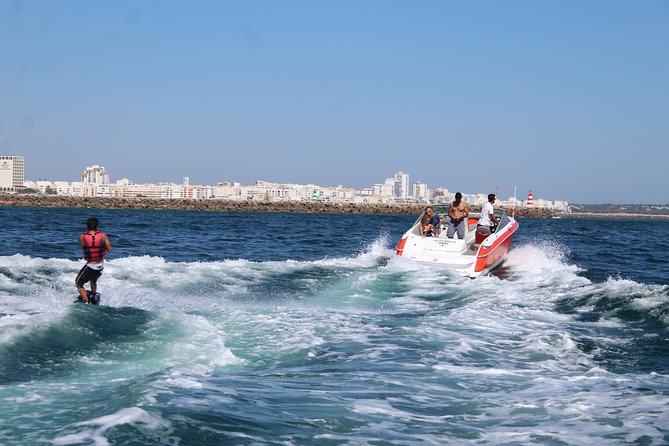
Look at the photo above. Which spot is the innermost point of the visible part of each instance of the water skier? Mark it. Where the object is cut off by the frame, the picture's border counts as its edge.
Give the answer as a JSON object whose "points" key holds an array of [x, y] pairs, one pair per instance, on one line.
{"points": [[95, 244]]}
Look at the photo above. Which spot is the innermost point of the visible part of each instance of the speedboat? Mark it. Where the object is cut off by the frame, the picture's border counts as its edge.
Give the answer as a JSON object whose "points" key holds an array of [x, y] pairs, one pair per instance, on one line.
{"points": [[478, 253]]}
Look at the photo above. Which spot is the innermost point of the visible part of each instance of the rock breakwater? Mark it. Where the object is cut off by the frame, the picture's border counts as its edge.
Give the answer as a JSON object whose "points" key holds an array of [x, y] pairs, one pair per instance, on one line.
{"points": [[228, 205]]}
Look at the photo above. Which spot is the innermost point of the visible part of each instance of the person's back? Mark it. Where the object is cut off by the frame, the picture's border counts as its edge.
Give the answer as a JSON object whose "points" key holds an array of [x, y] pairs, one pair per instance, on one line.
{"points": [[95, 245]]}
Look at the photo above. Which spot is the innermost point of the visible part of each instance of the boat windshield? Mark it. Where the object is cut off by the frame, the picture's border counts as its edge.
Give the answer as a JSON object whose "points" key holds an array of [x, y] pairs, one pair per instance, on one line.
{"points": [[504, 221]]}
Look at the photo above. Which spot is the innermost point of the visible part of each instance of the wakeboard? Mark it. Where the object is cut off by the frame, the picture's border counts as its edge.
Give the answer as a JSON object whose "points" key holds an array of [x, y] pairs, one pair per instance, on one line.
{"points": [[93, 298]]}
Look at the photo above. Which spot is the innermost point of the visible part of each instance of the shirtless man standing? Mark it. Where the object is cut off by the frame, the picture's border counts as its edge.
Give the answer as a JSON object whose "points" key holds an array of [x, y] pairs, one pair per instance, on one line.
{"points": [[458, 211]]}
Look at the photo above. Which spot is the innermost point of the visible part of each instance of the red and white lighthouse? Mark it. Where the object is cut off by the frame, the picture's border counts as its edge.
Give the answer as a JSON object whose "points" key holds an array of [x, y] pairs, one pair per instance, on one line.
{"points": [[530, 199]]}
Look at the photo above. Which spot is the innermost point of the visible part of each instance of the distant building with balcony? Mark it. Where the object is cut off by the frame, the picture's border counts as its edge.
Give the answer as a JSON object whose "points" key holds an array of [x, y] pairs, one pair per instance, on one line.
{"points": [[401, 185], [441, 195], [95, 175], [95, 182], [420, 192], [12, 173]]}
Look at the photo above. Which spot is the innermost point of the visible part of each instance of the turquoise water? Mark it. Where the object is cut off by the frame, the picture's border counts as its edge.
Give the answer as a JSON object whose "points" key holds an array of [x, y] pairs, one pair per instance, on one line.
{"points": [[306, 329]]}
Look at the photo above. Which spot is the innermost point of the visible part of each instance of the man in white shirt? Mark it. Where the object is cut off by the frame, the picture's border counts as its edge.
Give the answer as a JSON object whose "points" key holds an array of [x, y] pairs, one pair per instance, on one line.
{"points": [[488, 214]]}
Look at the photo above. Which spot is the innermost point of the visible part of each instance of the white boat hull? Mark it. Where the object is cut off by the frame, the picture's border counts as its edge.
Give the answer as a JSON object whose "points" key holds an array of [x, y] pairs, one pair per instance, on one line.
{"points": [[468, 256]]}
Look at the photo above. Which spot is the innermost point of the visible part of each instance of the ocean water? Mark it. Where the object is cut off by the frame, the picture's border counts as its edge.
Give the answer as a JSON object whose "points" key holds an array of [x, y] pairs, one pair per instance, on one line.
{"points": [[223, 328]]}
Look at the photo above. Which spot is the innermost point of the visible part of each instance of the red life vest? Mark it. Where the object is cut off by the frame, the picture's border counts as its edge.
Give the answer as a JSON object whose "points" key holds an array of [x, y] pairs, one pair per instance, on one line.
{"points": [[94, 247]]}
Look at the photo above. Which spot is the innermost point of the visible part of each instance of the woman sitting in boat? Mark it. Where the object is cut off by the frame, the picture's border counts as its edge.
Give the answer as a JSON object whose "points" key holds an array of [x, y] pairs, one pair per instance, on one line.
{"points": [[426, 227]]}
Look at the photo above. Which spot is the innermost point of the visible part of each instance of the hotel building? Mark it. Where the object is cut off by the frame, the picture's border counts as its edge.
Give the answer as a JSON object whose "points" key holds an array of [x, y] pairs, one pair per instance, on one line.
{"points": [[12, 174]]}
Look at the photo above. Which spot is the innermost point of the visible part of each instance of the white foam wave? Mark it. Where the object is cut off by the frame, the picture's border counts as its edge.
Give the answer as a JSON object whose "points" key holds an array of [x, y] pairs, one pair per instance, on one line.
{"points": [[367, 257], [133, 416], [643, 298], [386, 409], [544, 261]]}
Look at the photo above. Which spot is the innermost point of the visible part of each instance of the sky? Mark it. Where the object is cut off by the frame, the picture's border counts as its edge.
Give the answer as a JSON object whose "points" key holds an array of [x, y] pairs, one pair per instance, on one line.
{"points": [[569, 99]]}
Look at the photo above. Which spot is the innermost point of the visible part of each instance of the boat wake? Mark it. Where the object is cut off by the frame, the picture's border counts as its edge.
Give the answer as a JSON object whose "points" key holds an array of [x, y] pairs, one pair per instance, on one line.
{"points": [[371, 279], [169, 334]]}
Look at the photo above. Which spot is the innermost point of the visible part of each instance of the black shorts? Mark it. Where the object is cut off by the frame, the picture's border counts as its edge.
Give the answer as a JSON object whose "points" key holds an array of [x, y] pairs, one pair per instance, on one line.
{"points": [[87, 274]]}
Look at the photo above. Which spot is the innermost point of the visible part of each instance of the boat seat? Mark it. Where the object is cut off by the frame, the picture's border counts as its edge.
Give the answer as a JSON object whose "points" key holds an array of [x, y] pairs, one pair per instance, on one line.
{"points": [[481, 234]]}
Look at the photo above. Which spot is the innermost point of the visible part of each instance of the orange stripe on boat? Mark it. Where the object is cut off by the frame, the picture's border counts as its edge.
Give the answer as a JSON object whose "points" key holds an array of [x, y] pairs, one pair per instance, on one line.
{"points": [[488, 256], [400, 246]]}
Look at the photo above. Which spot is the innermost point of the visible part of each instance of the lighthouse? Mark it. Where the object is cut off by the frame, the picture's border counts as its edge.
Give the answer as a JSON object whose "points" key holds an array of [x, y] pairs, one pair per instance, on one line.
{"points": [[530, 199]]}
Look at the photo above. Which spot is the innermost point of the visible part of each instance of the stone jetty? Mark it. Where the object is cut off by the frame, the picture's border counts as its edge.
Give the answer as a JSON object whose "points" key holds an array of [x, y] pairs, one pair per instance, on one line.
{"points": [[229, 205]]}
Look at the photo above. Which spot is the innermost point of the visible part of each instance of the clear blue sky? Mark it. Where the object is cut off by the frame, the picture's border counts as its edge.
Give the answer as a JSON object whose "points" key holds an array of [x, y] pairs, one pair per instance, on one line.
{"points": [[567, 98]]}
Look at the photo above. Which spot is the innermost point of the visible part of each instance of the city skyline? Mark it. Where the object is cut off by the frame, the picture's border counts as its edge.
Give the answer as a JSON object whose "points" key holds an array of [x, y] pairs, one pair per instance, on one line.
{"points": [[402, 186], [501, 195], [553, 97]]}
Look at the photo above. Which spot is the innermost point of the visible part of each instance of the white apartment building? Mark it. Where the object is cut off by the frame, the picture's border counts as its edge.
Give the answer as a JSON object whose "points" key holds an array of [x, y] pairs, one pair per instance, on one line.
{"points": [[276, 191], [94, 181], [561, 205], [229, 191], [478, 199], [338, 194], [12, 174], [95, 175], [41, 186], [264, 190], [344, 194], [401, 185], [126, 189], [387, 189], [194, 192], [441, 195], [366, 195], [420, 192]]}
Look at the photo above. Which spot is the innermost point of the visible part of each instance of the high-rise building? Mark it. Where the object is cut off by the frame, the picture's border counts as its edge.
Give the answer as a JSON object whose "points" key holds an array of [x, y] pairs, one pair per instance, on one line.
{"points": [[401, 185], [421, 192], [95, 182], [95, 175], [12, 173]]}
